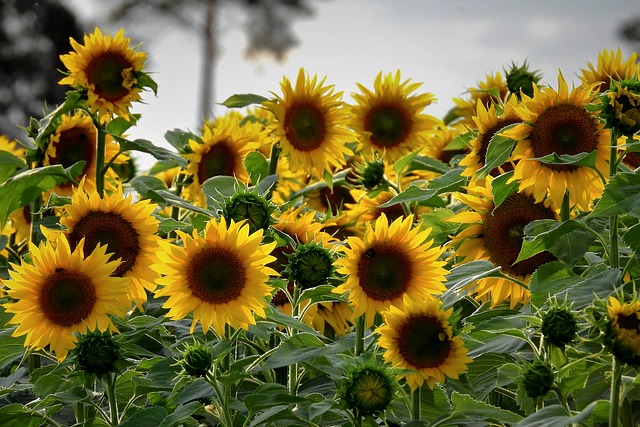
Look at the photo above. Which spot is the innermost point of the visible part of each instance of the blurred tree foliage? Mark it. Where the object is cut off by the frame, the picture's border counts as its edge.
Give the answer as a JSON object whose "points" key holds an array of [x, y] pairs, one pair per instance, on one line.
{"points": [[267, 24], [33, 34], [630, 31]]}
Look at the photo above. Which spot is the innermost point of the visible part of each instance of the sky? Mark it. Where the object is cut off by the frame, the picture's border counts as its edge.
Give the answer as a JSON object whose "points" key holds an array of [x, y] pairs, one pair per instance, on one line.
{"points": [[448, 46]]}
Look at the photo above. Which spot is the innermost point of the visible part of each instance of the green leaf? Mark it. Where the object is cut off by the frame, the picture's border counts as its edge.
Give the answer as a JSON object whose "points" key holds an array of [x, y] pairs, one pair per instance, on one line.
{"points": [[567, 240], [11, 348], [150, 416], [401, 164], [548, 280], [449, 182], [9, 163], [180, 414], [144, 80], [304, 347], [580, 159], [257, 165], [217, 188], [179, 139], [119, 125], [599, 286], [243, 100], [169, 224], [498, 152], [501, 189], [196, 390], [465, 274], [632, 238], [556, 416], [17, 415], [144, 183], [469, 410], [146, 146], [171, 199], [23, 188], [426, 163], [440, 228], [621, 195]]}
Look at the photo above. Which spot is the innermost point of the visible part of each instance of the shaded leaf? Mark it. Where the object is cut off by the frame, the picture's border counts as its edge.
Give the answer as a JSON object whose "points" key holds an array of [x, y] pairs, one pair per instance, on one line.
{"points": [[243, 100], [498, 152], [449, 182], [621, 195], [146, 146]]}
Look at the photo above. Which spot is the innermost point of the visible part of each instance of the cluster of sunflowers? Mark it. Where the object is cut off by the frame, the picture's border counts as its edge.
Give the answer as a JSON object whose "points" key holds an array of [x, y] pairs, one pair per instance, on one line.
{"points": [[360, 263]]}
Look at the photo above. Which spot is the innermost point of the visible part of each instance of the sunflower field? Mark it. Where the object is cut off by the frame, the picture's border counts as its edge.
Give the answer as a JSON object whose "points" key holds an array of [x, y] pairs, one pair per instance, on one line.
{"points": [[312, 259]]}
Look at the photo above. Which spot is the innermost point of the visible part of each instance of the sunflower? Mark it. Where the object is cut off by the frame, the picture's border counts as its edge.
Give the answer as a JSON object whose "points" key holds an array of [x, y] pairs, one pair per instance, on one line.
{"points": [[366, 209], [623, 330], [493, 89], [225, 144], [441, 145], [495, 234], [311, 125], [558, 122], [108, 69], [220, 277], [488, 123], [417, 336], [387, 263], [128, 229], [75, 139], [11, 146], [610, 66], [389, 119], [64, 292]]}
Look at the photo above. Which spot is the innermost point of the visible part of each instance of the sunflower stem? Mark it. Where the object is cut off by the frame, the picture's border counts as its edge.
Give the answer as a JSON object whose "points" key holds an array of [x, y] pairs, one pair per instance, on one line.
{"points": [[614, 256], [110, 390], [360, 325], [273, 165], [616, 383], [415, 404], [295, 312], [100, 149]]}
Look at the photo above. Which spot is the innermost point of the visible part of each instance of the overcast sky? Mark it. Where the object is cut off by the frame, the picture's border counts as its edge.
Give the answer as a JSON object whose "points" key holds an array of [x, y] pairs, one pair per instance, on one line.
{"points": [[447, 45]]}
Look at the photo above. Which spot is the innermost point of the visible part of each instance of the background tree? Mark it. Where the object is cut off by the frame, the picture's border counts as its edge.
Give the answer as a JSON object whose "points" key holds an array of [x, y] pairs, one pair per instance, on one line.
{"points": [[33, 35], [630, 31], [267, 24]]}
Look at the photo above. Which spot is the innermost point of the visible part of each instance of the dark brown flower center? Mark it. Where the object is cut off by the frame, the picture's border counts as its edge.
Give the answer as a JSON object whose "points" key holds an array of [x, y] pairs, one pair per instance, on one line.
{"points": [[423, 342], [503, 231], [111, 229], [74, 145], [218, 160], [305, 126], [385, 272], [105, 73], [67, 297], [335, 199], [485, 138], [216, 275], [389, 125], [564, 129], [629, 322]]}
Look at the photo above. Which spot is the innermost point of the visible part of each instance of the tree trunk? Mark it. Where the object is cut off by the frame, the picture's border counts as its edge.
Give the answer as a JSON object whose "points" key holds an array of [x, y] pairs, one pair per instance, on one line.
{"points": [[208, 61]]}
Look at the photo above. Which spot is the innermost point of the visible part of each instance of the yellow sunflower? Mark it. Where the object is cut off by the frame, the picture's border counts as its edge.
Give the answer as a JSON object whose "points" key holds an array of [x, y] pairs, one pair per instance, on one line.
{"points": [[558, 122], [64, 292], [11, 146], [610, 66], [311, 125], [493, 89], [106, 67], [225, 144], [220, 277], [387, 263], [496, 234], [623, 332], [75, 139], [417, 336], [366, 209], [488, 123], [128, 229], [390, 119], [440, 145]]}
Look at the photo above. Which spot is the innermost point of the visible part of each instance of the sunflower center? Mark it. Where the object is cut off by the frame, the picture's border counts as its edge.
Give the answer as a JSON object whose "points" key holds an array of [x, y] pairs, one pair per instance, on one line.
{"points": [[305, 127], [74, 145], [216, 276], [67, 297], [629, 322], [385, 272], [111, 229], [218, 160], [389, 126], [423, 342], [484, 140], [564, 129], [503, 232], [107, 75]]}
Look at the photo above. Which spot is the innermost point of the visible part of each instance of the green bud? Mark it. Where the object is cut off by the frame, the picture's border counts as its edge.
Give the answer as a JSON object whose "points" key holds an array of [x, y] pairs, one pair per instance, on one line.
{"points": [[97, 353], [197, 359], [537, 379], [310, 265], [249, 206], [521, 79], [559, 326], [369, 390]]}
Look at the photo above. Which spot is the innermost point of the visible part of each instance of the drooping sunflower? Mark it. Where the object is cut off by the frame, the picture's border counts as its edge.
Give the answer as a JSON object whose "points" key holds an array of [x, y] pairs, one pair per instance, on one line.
{"points": [[417, 336], [623, 330], [64, 291], [311, 125], [387, 263], [495, 234], [108, 69], [493, 89], [610, 66], [220, 277], [488, 123], [558, 122], [390, 119], [127, 228], [75, 139], [225, 144]]}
